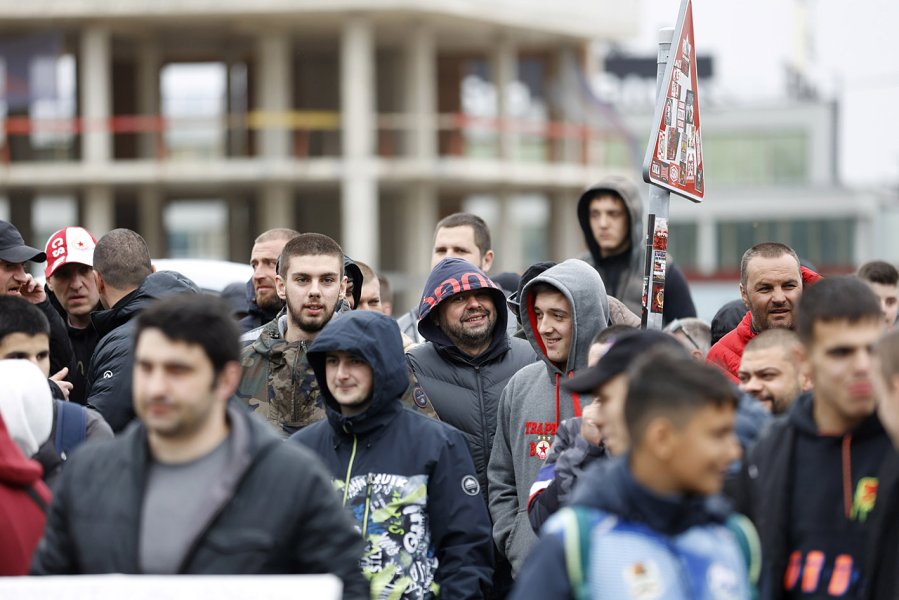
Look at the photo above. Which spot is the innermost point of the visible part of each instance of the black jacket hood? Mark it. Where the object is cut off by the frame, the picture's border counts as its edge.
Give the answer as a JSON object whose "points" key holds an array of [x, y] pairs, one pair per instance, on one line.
{"points": [[801, 415], [155, 286], [375, 338], [629, 193]]}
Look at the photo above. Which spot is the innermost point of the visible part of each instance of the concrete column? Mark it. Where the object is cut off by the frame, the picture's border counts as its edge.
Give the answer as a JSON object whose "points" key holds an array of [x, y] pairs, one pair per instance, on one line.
{"points": [[421, 93], [505, 71], [94, 73], [418, 220], [509, 256], [273, 93], [566, 240], [149, 64], [707, 245], [567, 66], [149, 215], [360, 228], [276, 207], [99, 209]]}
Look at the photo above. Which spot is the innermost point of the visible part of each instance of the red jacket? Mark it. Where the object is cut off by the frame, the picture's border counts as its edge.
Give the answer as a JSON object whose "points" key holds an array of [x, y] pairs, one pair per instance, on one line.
{"points": [[21, 518], [728, 351]]}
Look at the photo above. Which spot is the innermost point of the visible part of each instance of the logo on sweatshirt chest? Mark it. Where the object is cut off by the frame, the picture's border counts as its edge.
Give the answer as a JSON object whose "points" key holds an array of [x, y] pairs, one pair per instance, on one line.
{"points": [[544, 433]]}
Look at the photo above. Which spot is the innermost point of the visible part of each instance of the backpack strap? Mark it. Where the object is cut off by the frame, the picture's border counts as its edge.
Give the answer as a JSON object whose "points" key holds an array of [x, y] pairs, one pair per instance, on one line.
{"points": [[577, 526], [41, 503], [750, 546], [71, 427]]}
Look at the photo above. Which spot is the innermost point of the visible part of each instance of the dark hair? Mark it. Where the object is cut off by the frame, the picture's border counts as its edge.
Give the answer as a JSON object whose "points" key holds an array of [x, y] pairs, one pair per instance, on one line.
{"points": [[122, 259], [18, 315], [309, 244], [764, 250], [845, 298], [878, 271], [195, 319], [477, 224], [668, 382]]}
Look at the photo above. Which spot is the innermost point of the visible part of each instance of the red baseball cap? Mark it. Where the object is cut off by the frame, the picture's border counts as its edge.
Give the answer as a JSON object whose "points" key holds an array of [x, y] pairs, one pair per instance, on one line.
{"points": [[70, 245]]}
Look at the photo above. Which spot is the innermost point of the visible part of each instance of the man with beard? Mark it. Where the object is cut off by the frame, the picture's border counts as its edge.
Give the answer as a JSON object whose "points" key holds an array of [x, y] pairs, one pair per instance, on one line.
{"points": [[770, 369], [262, 296], [277, 381], [771, 283]]}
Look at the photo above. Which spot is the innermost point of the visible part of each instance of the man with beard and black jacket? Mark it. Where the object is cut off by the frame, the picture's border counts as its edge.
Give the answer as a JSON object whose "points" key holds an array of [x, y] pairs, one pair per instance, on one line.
{"points": [[811, 481], [198, 486], [73, 291], [127, 285], [562, 310], [611, 217], [263, 302], [407, 479]]}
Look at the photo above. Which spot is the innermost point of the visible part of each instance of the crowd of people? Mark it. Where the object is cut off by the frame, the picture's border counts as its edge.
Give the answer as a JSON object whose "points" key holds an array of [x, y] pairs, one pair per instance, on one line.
{"points": [[508, 437]]}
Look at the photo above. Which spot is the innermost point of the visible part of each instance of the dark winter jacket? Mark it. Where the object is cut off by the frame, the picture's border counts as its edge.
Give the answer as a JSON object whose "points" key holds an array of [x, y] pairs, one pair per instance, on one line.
{"points": [[23, 498], [728, 351], [808, 492], [109, 375], [676, 547], [623, 273], [52, 460], [256, 315], [273, 512], [61, 354], [465, 390], [84, 342], [408, 480], [882, 574]]}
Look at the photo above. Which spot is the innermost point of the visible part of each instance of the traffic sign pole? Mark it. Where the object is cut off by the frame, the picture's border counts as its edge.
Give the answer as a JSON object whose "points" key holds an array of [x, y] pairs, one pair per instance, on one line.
{"points": [[656, 258]]}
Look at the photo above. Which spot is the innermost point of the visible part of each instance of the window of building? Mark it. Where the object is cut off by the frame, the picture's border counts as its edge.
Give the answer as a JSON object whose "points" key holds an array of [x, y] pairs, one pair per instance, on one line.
{"points": [[823, 242], [53, 106], [197, 228], [194, 105], [50, 214], [761, 158], [683, 246]]}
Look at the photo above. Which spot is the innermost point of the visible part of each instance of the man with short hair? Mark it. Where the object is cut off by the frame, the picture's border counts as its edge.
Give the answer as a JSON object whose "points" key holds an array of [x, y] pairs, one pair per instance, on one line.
{"points": [[884, 280], [562, 309], [653, 527], [611, 217], [370, 295], [14, 281], [262, 294], [427, 527], [277, 381], [199, 486], [770, 369], [127, 285], [72, 287], [771, 283], [695, 335], [460, 235], [810, 482]]}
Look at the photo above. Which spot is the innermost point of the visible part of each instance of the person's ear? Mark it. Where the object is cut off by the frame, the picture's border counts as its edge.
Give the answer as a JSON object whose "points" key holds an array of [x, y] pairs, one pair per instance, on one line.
{"points": [[280, 287], [803, 364], [487, 261], [744, 296], [660, 438], [228, 379]]}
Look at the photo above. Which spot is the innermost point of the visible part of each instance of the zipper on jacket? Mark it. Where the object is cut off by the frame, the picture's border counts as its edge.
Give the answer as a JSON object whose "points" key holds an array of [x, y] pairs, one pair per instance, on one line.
{"points": [[483, 410], [368, 483], [349, 471]]}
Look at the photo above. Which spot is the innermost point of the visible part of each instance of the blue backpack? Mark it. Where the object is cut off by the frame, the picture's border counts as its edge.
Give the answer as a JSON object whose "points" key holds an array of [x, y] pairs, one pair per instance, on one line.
{"points": [[71, 427]]}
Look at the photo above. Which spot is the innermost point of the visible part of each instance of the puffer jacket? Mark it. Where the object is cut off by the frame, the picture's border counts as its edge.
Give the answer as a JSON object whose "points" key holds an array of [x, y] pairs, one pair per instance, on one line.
{"points": [[408, 480], [272, 512], [465, 389], [109, 375]]}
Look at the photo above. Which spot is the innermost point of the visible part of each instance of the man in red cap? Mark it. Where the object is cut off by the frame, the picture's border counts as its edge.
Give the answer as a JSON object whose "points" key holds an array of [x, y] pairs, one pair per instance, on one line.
{"points": [[15, 281], [72, 288]]}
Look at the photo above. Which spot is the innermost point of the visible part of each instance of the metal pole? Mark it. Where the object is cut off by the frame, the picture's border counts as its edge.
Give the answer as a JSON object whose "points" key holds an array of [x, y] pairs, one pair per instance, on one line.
{"points": [[659, 200]]}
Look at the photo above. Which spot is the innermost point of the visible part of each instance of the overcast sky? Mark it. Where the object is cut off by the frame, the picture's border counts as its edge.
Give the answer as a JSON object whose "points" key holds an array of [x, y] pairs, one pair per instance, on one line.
{"points": [[850, 53]]}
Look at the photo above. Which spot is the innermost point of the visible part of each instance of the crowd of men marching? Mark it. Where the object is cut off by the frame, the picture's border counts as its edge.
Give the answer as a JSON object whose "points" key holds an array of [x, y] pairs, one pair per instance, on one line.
{"points": [[509, 436]]}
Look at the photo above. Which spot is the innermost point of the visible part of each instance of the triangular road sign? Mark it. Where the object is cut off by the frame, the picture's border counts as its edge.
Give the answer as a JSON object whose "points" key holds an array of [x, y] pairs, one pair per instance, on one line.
{"points": [[674, 154]]}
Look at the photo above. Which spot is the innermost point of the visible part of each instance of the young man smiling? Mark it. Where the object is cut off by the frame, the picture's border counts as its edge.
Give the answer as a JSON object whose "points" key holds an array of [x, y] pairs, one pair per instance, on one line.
{"points": [[408, 480], [562, 309]]}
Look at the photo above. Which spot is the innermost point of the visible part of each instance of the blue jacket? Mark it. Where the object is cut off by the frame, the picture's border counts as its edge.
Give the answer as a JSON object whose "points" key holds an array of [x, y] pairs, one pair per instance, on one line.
{"points": [[640, 545], [408, 480]]}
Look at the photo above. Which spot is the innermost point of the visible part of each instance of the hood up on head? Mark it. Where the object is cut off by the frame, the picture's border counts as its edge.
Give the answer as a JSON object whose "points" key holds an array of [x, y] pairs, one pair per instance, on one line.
{"points": [[375, 338], [453, 276], [583, 288], [631, 195], [26, 404]]}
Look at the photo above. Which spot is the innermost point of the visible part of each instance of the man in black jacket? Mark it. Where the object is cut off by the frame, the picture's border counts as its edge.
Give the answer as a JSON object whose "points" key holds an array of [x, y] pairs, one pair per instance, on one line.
{"points": [[810, 483], [127, 285], [408, 479], [200, 486]]}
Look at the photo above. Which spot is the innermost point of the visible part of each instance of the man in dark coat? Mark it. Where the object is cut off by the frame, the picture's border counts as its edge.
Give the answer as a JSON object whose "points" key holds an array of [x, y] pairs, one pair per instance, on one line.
{"points": [[199, 486]]}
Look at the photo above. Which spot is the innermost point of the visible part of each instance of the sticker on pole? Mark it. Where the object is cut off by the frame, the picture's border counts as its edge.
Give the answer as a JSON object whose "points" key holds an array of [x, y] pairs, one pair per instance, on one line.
{"points": [[674, 153]]}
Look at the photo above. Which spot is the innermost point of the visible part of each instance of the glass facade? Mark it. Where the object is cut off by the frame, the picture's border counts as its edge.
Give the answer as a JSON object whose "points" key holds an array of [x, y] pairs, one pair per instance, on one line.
{"points": [[823, 242], [761, 158]]}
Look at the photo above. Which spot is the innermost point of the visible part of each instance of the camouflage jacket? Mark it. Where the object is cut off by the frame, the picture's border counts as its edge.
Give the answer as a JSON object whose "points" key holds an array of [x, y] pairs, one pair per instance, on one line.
{"points": [[278, 384]]}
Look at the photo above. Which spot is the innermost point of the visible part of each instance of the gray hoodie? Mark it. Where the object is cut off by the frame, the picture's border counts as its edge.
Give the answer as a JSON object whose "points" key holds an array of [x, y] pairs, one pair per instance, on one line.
{"points": [[533, 404]]}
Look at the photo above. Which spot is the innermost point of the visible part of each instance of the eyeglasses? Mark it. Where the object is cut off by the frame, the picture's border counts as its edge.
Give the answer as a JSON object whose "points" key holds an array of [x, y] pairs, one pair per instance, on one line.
{"points": [[677, 326]]}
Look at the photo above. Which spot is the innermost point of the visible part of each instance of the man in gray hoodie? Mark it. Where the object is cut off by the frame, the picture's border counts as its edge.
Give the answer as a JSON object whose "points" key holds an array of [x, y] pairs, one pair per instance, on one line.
{"points": [[561, 311]]}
